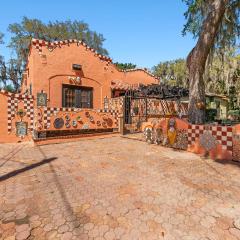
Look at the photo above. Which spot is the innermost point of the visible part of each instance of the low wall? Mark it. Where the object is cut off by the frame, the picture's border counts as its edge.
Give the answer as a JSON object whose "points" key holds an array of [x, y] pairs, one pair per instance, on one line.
{"points": [[217, 142], [10, 107], [22, 120], [50, 122], [169, 132]]}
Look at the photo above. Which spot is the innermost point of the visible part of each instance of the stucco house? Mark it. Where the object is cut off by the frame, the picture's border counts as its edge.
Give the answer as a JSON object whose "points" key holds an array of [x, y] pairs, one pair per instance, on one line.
{"points": [[74, 75]]}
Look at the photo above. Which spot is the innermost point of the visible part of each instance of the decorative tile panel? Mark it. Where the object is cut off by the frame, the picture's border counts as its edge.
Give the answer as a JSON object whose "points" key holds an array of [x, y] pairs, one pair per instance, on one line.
{"points": [[222, 134]]}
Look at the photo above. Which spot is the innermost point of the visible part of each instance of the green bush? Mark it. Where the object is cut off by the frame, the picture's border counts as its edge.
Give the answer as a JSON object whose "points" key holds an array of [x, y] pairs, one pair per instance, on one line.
{"points": [[211, 115]]}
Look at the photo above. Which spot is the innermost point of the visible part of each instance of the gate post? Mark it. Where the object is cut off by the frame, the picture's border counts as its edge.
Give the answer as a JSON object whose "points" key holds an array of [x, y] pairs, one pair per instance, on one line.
{"points": [[121, 125], [146, 110], [122, 118]]}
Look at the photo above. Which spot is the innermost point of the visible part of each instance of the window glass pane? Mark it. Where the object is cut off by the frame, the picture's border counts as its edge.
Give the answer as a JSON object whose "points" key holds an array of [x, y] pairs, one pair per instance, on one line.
{"points": [[77, 97]]}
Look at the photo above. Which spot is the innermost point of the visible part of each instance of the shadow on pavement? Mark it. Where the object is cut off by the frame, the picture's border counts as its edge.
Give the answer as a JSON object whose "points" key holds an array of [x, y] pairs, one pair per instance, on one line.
{"points": [[79, 218], [24, 169], [228, 162]]}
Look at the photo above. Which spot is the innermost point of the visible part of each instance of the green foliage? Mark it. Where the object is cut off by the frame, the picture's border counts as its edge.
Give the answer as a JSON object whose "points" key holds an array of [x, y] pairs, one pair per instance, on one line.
{"points": [[222, 73], [173, 72], [14, 73], [125, 66], [3, 72], [3, 69], [232, 97], [23, 32], [229, 31], [52, 31], [10, 74], [211, 114], [9, 88], [234, 112], [1, 38]]}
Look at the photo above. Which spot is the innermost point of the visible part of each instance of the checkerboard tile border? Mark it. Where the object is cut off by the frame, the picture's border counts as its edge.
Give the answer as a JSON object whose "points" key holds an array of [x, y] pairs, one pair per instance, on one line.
{"points": [[114, 113], [16, 95], [29, 108], [39, 44], [223, 134], [12, 106], [49, 111]]}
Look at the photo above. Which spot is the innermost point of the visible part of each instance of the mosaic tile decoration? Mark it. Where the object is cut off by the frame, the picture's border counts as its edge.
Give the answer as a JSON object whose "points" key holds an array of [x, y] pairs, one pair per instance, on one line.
{"points": [[39, 44], [140, 105], [12, 103], [223, 134], [154, 106], [163, 107], [114, 113], [115, 104], [12, 107], [207, 140], [182, 140], [49, 111], [236, 147], [157, 136], [29, 108]]}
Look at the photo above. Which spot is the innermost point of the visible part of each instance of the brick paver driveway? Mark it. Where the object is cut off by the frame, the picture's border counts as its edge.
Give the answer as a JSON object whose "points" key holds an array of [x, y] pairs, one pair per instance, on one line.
{"points": [[115, 188]]}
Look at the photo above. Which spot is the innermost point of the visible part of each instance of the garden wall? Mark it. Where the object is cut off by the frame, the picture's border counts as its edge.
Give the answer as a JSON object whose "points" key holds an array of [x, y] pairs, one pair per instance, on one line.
{"points": [[17, 116], [168, 132], [215, 141], [22, 120], [56, 122]]}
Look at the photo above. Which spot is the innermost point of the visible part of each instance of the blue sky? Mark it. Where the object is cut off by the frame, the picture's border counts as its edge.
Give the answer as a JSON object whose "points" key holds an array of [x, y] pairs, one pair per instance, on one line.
{"points": [[143, 32]]}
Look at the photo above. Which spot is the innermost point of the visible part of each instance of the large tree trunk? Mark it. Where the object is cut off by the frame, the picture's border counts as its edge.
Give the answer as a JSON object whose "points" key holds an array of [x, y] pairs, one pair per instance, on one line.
{"points": [[197, 58]]}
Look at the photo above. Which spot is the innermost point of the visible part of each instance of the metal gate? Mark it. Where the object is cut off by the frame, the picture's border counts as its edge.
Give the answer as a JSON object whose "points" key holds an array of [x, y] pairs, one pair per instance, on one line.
{"points": [[127, 107], [135, 108]]}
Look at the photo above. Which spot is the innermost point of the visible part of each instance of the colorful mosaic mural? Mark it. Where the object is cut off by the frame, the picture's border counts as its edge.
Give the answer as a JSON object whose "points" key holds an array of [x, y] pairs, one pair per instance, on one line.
{"points": [[114, 104], [51, 119], [141, 107], [167, 132], [215, 140]]}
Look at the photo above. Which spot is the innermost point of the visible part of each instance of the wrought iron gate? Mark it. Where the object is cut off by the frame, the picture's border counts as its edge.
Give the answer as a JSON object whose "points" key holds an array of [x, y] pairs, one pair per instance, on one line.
{"points": [[135, 108]]}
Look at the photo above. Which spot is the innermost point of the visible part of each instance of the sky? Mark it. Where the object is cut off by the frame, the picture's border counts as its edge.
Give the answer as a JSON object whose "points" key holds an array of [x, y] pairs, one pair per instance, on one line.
{"points": [[143, 32]]}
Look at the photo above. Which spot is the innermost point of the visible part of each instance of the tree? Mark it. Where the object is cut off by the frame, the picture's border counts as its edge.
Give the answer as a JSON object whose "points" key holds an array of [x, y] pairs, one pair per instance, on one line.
{"points": [[52, 31], [3, 72], [14, 73], [172, 72], [221, 73], [216, 24], [125, 66], [3, 68], [1, 38]]}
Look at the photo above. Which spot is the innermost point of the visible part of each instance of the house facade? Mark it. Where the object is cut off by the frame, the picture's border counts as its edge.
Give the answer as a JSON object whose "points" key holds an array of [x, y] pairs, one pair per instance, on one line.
{"points": [[72, 74]]}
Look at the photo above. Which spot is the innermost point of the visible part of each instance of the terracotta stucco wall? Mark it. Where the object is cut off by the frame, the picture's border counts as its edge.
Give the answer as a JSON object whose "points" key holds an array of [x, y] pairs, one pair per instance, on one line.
{"points": [[10, 136], [50, 69]]}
